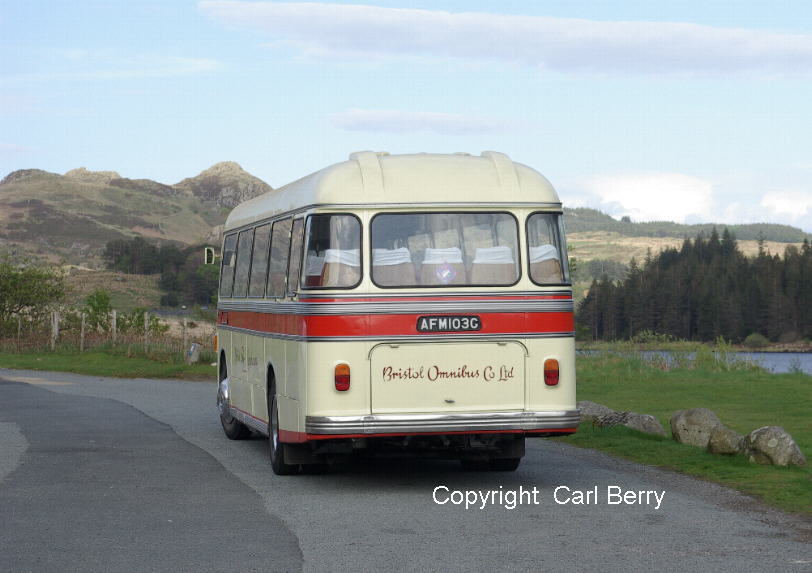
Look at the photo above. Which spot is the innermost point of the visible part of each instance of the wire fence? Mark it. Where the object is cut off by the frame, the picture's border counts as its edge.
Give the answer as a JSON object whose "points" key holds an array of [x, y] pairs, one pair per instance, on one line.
{"points": [[132, 334]]}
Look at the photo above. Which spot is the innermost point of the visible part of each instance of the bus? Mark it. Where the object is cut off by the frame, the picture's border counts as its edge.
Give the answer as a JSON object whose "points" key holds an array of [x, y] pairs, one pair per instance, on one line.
{"points": [[414, 304]]}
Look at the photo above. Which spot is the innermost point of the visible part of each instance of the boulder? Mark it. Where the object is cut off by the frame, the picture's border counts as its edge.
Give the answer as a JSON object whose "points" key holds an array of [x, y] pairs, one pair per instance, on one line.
{"points": [[773, 445], [693, 427], [645, 423], [611, 419], [591, 410], [723, 440]]}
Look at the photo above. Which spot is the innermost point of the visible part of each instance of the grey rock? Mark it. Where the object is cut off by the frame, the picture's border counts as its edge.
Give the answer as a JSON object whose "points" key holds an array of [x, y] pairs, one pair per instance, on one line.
{"points": [[612, 419], [693, 427], [591, 410], [641, 422], [645, 423], [723, 440], [773, 445]]}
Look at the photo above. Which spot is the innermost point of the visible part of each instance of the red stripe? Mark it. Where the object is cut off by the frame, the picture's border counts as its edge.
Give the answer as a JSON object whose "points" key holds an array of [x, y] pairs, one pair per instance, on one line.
{"points": [[392, 324]]}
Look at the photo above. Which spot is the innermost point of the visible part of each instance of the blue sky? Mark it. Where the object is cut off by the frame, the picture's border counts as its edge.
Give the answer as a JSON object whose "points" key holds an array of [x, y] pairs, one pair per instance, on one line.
{"points": [[687, 111]]}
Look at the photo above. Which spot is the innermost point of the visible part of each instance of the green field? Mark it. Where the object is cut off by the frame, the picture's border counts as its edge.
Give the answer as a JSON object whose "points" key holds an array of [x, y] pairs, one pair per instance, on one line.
{"points": [[115, 363], [744, 399]]}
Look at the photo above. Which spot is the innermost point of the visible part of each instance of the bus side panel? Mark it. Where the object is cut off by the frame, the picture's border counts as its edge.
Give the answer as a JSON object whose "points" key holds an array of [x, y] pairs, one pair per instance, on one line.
{"points": [[275, 358], [238, 373], [296, 368], [541, 397], [289, 417], [322, 398], [255, 374]]}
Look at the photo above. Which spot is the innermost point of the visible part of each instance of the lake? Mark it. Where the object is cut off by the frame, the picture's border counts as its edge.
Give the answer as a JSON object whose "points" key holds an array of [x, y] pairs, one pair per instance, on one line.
{"points": [[772, 361]]}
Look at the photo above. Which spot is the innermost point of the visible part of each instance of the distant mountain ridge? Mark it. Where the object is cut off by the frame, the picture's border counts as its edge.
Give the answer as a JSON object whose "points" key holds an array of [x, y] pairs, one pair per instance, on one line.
{"points": [[584, 219], [71, 217]]}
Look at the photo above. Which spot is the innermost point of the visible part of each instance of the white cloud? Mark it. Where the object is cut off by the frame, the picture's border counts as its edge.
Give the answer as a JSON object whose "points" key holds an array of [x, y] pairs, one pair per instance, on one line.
{"points": [[789, 205], [687, 199], [653, 196], [398, 121], [358, 31]]}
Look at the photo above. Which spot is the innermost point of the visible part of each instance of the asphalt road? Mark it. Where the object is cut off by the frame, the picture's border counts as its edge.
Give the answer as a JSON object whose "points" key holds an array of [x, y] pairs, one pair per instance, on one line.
{"points": [[136, 475]]}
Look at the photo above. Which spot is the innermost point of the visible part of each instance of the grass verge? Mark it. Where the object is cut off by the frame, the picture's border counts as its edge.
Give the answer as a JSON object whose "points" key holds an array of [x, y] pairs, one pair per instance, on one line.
{"points": [[743, 399], [107, 363]]}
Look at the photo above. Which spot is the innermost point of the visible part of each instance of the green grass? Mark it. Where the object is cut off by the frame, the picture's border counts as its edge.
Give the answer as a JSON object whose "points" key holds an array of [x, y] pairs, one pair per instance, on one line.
{"points": [[744, 399], [107, 363]]}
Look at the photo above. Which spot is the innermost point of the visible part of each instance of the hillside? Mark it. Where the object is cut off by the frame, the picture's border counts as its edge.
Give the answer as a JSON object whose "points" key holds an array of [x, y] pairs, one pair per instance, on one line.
{"points": [[583, 219], [71, 217]]}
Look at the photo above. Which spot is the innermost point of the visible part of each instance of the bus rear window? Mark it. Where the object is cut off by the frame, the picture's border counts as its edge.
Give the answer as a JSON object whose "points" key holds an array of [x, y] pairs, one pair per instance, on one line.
{"points": [[546, 255], [444, 249], [333, 255]]}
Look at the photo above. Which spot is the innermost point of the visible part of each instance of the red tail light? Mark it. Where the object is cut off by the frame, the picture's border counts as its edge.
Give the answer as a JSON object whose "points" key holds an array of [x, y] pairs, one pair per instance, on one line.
{"points": [[342, 377], [551, 372]]}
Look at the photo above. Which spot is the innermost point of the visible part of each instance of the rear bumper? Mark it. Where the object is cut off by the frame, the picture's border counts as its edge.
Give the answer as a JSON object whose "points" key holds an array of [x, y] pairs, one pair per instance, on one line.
{"points": [[564, 421]]}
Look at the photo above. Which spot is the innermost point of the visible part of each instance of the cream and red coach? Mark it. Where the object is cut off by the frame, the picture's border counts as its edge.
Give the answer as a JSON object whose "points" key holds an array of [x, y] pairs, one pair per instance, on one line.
{"points": [[408, 303]]}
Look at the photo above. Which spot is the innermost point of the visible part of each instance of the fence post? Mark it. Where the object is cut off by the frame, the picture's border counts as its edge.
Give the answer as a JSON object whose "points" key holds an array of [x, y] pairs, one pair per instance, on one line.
{"points": [[54, 328], [185, 335], [82, 335], [113, 325], [19, 330], [146, 331]]}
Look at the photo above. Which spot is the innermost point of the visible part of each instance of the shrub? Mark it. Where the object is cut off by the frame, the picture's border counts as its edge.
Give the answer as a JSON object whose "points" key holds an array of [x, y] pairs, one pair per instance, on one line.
{"points": [[756, 340]]}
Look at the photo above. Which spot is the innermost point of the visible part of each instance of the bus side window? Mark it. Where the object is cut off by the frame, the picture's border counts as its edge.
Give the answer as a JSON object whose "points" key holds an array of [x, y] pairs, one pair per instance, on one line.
{"points": [[546, 255], [297, 236], [243, 263], [280, 249], [227, 268], [259, 261]]}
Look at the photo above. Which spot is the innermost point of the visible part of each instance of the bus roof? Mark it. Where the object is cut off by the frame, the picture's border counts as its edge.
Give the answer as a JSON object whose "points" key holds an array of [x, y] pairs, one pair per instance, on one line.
{"points": [[369, 178]]}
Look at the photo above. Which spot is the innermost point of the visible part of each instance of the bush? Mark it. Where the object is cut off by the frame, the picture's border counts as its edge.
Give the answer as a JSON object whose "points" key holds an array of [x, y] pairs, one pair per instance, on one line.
{"points": [[98, 310], [756, 340], [27, 291]]}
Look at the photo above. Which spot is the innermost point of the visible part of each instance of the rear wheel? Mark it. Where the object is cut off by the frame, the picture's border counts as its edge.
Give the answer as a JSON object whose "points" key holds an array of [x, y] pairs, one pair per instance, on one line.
{"points": [[233, 429], [276, 449]]}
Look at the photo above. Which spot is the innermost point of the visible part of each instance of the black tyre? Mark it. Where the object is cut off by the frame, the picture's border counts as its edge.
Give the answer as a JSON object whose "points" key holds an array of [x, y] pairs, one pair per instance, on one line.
{"points": [[275, 448], [233, 429]]}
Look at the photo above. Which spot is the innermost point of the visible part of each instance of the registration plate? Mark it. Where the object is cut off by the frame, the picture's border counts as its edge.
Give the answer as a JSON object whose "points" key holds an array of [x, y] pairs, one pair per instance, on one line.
{"points": [[454, 323]]}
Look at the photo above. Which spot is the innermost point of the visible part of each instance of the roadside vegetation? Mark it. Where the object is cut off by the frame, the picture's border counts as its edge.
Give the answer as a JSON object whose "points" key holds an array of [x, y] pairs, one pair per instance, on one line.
{"points": [[112, 362], [743, 396]]}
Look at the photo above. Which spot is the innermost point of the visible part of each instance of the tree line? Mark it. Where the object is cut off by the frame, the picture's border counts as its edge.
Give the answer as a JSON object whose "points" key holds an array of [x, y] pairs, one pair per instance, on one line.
{"points": [[706, 289], [184, 278]]}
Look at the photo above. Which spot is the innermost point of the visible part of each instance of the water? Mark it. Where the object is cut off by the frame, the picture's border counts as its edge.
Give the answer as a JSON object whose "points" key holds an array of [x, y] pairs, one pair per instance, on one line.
{"points": [[777, 362], [780, 361]]}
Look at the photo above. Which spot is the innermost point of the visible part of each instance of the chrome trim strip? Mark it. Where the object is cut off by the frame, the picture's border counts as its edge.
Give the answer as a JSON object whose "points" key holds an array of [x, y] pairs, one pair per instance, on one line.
{"points": [[448, 337], [307, 295], [400, 307], [465, 422], [249, 421]]}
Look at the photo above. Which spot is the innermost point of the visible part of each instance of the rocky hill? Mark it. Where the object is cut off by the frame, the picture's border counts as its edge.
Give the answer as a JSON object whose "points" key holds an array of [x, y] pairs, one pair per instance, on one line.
{"points": [[71, 217], [225, 184]]}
